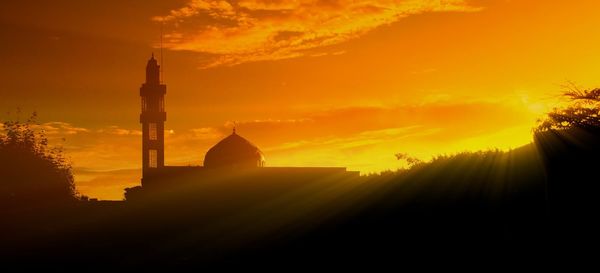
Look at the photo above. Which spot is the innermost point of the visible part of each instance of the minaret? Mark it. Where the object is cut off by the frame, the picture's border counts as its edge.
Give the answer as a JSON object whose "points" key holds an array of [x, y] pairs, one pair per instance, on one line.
{"points": [[153, 118]]}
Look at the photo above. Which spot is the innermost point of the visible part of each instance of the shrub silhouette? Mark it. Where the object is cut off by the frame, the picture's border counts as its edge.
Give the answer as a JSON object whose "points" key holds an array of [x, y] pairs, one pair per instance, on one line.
{"points": [[31, 172]]}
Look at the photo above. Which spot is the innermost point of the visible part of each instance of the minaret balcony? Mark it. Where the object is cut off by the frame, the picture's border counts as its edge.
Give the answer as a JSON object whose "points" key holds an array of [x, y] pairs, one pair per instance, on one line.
{"points": [[150, 90]]}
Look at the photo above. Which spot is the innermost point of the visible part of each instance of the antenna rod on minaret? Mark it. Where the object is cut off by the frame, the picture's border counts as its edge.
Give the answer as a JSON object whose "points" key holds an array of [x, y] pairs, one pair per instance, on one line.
{"points": [[162, 77]]}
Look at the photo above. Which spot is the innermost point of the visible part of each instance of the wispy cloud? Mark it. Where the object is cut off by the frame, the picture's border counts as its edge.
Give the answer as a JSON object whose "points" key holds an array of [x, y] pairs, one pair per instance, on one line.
{"points": [[107, 185], [115, 130], [234, 32], [60, 128]]}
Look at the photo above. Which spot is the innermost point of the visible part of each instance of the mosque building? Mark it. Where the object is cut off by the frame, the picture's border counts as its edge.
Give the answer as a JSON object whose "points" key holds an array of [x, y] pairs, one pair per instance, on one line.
{"points": [[233, 154]]}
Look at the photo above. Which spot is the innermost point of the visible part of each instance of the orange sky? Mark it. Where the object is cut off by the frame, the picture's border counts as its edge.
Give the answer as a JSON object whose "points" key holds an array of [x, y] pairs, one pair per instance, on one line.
{"points": [[313, 83]]}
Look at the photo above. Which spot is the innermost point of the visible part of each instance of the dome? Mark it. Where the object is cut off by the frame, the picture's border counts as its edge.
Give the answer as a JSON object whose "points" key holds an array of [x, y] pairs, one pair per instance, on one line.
{"points": [[234, 151]]}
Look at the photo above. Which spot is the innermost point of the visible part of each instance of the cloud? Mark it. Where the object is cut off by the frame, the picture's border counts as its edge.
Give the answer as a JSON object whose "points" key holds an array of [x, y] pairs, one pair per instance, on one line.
{"points": [[234, 32], [106, 185], [60, 128], [455, 119], [115, 130], [365, 138], [206, 133]]}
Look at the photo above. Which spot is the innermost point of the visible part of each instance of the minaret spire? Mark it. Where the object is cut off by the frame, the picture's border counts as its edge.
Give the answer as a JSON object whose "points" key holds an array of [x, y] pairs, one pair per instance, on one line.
{"points": [[162, 77]]}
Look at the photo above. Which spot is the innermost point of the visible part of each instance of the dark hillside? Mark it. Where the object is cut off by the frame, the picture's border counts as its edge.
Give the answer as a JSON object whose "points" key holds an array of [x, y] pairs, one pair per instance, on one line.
{"points": [[533, 197]]}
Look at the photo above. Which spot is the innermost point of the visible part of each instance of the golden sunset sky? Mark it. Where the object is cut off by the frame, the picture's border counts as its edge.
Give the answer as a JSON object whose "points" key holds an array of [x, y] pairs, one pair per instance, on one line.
{"points": [[313, 83]]}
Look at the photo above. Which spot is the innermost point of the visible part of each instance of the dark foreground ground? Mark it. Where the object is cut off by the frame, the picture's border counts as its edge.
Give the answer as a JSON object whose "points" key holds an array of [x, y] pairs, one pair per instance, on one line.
{"points": [[540, 199]]}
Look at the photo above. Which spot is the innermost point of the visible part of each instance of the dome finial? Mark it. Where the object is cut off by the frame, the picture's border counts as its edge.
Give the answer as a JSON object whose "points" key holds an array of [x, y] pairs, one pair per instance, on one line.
{"points": [[234, 125]]}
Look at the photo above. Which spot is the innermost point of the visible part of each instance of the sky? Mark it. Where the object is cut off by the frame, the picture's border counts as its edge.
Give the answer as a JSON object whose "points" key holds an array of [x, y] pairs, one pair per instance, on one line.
{"points": [[312, 83]]}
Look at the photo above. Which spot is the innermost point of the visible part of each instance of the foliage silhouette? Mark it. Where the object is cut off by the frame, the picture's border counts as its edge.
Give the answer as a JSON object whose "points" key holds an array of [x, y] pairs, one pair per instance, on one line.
{"points": [[32, 172], [583, 111], [411, 161]]}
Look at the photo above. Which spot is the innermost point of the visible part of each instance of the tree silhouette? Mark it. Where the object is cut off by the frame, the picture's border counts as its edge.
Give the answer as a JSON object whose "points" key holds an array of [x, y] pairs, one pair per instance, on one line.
{"points": [[31, 172], [583, 111]]}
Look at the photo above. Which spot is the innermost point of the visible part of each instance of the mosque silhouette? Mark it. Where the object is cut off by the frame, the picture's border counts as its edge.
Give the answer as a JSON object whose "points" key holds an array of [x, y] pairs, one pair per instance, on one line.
{"points": [[233, 155]]}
